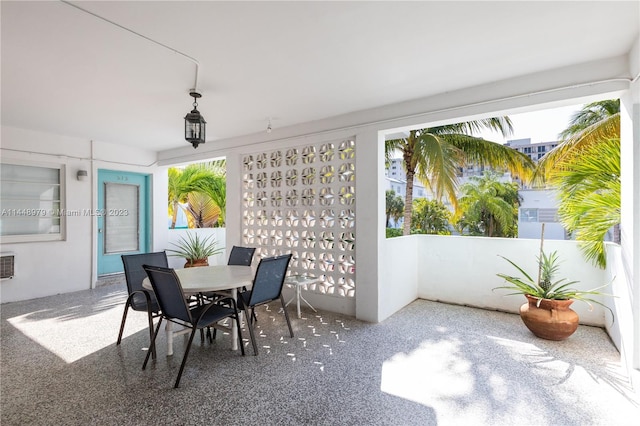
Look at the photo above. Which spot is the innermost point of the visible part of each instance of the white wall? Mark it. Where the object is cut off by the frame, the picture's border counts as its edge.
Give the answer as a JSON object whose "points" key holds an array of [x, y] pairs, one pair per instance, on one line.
{"points": [[620, 327], [462, 270], [400, 274], [47, 268]]}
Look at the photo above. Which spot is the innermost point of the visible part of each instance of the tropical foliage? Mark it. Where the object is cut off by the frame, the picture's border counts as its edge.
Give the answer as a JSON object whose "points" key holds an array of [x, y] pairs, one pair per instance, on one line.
{"points": [[393, 232], [430, 217], [586, 169], [200, 191], [214, 186], [589, 192], [594, 122], [394, 206], [435, 155], [203, 211], [488, 207]]}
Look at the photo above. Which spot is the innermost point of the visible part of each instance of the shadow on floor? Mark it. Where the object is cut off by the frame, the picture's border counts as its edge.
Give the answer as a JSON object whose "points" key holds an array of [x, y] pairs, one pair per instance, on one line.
{"points": [[430, 363]]}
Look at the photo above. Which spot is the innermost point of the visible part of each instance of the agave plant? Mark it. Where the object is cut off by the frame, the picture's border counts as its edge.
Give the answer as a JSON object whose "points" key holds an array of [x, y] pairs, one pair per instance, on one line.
{"points": [[193, 247]]}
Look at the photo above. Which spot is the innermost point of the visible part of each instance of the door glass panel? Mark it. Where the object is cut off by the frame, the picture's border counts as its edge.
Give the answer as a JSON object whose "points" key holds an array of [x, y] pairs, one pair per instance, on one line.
{"points": [[121, 227]]}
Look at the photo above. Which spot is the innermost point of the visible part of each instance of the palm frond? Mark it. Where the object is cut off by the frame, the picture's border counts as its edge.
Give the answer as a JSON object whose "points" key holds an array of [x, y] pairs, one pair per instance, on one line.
{"points": [[486, 153], [607, 128]]}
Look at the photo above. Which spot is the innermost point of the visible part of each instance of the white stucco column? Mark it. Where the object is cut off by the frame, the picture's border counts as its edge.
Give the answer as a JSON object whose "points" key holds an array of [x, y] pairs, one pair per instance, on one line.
{"points": [[234, 201], [370, 223], [630, 226]]}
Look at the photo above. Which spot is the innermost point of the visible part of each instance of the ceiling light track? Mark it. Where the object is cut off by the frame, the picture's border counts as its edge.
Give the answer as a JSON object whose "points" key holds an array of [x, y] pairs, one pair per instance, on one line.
{"points": [[190, 58]]}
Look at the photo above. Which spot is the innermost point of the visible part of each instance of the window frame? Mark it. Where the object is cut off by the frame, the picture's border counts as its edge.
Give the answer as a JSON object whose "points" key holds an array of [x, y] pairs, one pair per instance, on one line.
{"points": [[38, 237]]}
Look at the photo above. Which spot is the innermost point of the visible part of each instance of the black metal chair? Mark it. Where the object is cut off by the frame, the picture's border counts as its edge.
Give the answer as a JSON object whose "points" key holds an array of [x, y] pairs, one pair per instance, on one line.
{"points": [[141, 299], [174, 307], [241, 256], [267, 287]]}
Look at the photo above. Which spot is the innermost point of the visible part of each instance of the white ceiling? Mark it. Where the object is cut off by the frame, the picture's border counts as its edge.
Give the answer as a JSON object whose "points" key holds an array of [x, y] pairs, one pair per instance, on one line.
{"points": [[67, 72]]}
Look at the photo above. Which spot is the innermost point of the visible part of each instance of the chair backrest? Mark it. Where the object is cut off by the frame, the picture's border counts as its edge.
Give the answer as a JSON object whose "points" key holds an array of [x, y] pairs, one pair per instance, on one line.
{"points": [[241, 256], [269, 279], [135, 274], [168, 289]]}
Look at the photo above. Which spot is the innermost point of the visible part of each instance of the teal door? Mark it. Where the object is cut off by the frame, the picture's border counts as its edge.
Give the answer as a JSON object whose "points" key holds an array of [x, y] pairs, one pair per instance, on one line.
{"points": [[123, 218]]}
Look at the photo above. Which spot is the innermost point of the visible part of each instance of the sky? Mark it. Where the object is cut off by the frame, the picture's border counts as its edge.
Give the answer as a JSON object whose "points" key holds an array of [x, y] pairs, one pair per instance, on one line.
{"points": [[539, 126]]}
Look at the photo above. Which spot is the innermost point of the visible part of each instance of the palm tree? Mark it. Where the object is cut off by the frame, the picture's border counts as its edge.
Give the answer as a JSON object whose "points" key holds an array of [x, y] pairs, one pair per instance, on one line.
{"points": [[435, 155], [489, 207], [589, 188], [214, 185], [597, 123], [594, 122], [203, 187], [204, 211], [394, 206], [181, 183], [430, 217]]}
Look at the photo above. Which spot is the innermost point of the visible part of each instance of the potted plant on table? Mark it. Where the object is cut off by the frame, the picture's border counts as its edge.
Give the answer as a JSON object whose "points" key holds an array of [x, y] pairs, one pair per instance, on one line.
{"points": [[195, 249], [547, 312]]}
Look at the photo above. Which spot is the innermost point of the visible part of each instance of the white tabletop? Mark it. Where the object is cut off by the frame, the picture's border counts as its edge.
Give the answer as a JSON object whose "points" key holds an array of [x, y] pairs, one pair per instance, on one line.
{"points": [[212, 278]]}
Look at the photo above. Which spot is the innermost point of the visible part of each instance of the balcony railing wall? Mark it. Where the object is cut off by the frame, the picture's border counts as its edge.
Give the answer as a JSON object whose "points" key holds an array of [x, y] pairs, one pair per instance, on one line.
{"points": [[462, 270]]}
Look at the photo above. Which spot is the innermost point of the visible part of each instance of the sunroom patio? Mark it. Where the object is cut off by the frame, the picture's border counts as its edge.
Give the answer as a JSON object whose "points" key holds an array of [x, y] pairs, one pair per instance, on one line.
{"points": [[429, 363]]}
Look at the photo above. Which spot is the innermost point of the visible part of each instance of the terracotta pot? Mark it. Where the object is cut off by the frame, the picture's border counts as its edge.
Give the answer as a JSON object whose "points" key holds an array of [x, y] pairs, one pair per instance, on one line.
{"points": [[552, 320], [196, 262]]}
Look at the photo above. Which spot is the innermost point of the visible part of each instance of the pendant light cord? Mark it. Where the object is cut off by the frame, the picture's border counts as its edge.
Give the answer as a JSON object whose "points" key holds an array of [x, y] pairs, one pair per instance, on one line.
{"points": [[190, 58]]}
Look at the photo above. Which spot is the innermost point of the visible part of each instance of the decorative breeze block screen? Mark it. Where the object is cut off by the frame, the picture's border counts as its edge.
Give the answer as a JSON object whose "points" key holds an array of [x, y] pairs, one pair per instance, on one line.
{"points": [[301, 200]]}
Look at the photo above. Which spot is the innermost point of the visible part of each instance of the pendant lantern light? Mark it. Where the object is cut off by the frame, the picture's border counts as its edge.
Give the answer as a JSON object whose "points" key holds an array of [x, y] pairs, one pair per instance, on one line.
{"points": [[194, 124]]}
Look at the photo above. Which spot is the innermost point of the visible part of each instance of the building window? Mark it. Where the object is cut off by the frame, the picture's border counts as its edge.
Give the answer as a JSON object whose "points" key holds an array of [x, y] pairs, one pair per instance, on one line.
{"points": [[527, 150], [542, 148], [548, 215], [528, 215], [32, 199]]}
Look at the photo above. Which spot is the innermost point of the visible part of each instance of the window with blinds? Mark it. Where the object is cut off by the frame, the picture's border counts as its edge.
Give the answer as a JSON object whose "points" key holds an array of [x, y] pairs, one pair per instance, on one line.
{"points": [[32, 207]]}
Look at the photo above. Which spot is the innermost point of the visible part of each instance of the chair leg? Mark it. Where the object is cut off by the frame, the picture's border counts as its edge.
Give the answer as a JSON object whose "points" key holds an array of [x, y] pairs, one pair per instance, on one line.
{"points": [[239, 334], [250, 327], [153, 344], [184, 358], [124, 319], [286, 314]]}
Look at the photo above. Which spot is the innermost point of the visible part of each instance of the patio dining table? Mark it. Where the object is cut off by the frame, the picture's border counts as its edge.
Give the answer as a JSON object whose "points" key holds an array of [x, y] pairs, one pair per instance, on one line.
{"points": [[204, 279]]}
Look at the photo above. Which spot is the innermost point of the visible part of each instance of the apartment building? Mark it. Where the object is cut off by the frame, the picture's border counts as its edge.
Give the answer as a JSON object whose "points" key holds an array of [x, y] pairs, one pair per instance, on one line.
{"points": [[535, 151]]}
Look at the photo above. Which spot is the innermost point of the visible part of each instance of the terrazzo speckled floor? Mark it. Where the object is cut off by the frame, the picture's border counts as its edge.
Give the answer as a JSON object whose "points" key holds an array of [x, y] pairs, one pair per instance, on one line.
{"points": [[428, 364]]}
